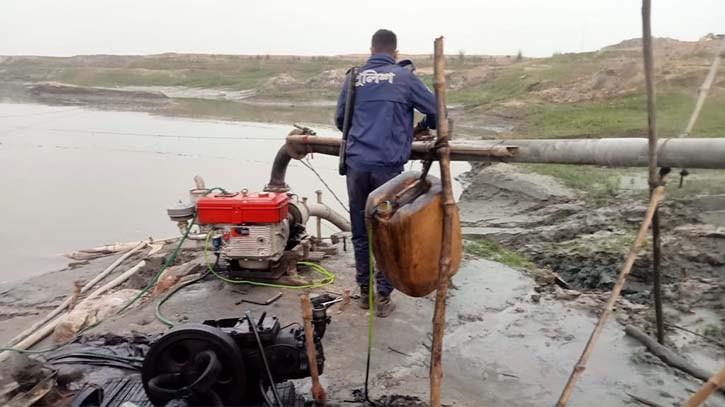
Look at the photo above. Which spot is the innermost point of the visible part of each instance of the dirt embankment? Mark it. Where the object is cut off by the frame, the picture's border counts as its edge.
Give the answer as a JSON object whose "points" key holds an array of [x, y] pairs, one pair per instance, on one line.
{"points": [[559, 230], [588, 94], [71, 94]]}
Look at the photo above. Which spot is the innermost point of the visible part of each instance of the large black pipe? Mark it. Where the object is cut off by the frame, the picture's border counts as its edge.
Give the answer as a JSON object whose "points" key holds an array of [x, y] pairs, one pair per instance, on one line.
{"points": [[279, 171], [277, 181]]}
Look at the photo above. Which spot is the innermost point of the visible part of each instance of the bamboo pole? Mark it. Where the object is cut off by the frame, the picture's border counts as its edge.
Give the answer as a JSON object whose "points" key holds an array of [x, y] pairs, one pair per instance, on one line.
{"points": [[117, 281], [657, 276], [705, 89], [717, 381], [666, 355], [650, 85], [654, 179], [318, 393], [702, 93], [616, 291], [60, 308], [49, 327], [449, 205]]}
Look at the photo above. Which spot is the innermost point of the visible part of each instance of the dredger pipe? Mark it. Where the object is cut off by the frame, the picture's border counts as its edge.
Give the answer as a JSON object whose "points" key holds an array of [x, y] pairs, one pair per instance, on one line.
{"points": [[706, 153], [279, 171]]}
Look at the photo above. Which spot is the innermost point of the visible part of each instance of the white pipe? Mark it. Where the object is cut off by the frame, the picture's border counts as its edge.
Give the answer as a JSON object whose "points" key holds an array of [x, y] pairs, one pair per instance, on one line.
{"points": [[199, 182], [325, 212]]}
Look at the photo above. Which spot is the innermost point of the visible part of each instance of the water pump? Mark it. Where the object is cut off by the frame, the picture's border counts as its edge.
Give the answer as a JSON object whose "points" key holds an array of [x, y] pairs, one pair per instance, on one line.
{"points": [[228, 362]]}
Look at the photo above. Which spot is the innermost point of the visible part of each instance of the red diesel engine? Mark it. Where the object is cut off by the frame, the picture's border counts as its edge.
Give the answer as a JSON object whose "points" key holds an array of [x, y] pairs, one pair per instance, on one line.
{"points": [[253, 227], [250, 231]]}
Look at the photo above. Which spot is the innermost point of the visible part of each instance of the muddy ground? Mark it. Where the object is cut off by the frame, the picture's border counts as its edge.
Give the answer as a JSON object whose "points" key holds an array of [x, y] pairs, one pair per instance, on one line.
{"points": [[512, 337], [547, 228]]}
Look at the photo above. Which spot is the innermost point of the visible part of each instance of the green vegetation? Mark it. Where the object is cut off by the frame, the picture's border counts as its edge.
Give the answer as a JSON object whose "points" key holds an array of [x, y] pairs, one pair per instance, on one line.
{"points": [[508, 85], [237, 72], [492, 250], [712, 331], [515, 80], [587, 245], [248, 78], [625, 116], [599, 184], [596, 182]]}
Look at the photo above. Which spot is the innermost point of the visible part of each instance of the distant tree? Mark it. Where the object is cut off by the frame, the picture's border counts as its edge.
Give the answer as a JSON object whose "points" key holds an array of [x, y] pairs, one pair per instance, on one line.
{"points": [[519, 56], [267, 57], [461, 55]]}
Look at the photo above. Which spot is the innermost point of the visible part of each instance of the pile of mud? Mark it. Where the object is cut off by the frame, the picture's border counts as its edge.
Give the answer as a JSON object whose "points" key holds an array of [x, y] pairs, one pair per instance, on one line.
{"points": [[585, 243]]}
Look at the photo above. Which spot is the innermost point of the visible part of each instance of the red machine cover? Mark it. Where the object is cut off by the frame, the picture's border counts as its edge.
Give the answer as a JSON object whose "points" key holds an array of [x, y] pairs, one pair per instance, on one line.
{"points": [[242, 207]]}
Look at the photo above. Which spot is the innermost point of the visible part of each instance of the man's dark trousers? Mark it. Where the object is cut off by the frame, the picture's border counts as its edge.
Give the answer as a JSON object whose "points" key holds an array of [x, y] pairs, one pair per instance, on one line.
{"points": [[359, 185]]}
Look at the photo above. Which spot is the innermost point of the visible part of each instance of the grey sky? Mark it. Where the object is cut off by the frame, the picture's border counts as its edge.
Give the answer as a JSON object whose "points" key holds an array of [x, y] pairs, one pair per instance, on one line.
{"points": [[538, 27]]}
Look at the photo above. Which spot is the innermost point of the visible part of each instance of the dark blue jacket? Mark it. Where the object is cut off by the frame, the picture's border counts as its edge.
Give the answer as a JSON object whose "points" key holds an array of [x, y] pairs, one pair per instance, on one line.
{"points": [[381, 134]]}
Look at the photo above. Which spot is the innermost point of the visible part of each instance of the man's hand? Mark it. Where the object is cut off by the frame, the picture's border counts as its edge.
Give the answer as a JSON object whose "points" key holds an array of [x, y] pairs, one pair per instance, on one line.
{"points": [[421, 132]]}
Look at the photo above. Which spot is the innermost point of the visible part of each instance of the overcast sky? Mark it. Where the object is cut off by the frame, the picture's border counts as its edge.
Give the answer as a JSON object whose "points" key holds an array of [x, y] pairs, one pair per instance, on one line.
{"points": [[537, 27]]}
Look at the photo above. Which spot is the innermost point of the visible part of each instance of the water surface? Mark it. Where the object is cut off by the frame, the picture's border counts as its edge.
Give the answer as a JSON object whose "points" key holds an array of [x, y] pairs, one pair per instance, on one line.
{"points": [[74, 178]]}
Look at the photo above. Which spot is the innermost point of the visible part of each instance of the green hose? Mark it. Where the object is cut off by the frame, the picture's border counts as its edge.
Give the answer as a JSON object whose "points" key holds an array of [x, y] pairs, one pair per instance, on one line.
{"points": [[176, 289], [168, 262], [328, 278]]}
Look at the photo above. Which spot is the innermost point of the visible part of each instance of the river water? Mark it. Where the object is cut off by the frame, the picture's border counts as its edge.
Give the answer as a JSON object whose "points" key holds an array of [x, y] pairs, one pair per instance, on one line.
{"points": [[74, 178]]}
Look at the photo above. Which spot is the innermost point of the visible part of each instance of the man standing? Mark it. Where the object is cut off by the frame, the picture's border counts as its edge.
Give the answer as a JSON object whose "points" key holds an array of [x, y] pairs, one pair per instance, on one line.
{"points": [[379, 143]]}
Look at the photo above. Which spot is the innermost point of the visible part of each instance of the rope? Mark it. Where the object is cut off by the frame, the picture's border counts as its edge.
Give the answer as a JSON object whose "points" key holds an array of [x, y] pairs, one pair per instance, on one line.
{"points": [[308, 164]]}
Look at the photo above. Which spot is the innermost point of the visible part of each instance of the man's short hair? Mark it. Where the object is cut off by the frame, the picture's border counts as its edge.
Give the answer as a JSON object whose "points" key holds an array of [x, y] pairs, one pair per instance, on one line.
{"points": [[384, 41]]}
